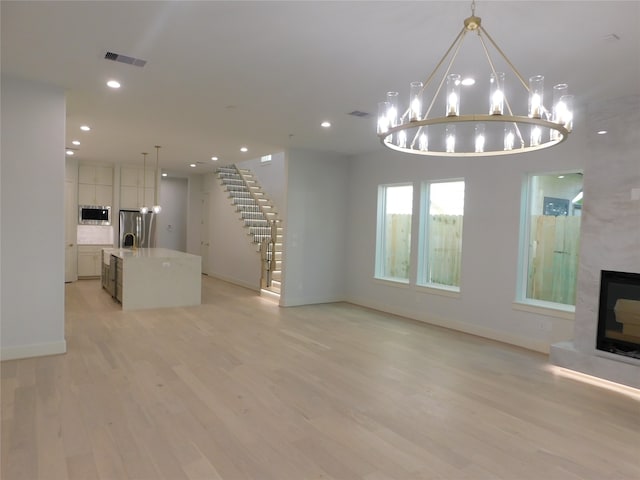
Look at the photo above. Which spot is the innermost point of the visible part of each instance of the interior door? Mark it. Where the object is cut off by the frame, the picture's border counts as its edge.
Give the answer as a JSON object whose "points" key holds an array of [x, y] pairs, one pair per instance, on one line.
{"points": [[70, 233], [204, 233]]}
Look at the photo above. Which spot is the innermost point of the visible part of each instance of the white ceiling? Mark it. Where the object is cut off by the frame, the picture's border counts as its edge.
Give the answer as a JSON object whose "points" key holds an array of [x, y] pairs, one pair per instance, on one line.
{"points": [[265, 74]]}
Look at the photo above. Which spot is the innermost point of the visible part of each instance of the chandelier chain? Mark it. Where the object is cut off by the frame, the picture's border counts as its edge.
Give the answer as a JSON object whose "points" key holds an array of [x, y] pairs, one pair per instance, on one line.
{"points": [[473, 8]]}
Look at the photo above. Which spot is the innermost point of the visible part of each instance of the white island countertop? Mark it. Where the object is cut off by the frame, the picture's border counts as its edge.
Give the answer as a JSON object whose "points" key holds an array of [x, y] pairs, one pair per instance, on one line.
{"points": [[158, 277]]}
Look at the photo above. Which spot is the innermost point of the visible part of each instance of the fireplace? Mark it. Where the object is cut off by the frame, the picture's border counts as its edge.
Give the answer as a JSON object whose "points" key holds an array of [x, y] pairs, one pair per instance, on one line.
{"points": [[619, 313]]}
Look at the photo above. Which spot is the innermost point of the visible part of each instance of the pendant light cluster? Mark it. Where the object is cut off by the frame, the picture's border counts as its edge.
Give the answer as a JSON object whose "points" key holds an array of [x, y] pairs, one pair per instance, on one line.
{"points": [[156, 208], [498, 132]]}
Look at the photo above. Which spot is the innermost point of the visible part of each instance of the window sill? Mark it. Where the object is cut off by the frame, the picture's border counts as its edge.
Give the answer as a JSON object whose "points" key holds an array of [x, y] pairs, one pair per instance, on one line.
{"points": [[399, 283], [557, 310], [443, 290]]}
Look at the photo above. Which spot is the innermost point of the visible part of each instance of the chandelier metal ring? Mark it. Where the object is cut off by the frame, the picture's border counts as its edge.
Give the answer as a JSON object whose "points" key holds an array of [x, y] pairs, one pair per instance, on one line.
{"points": [[563, 133]]}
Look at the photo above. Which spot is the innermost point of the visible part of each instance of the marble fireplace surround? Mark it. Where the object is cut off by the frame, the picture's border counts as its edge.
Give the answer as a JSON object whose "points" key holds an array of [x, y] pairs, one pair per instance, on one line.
{"points": [[610, 236]]}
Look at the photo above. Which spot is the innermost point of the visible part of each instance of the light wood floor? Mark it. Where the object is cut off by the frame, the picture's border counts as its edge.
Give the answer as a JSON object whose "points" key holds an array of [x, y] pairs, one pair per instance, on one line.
{"points": [[239, 388]]}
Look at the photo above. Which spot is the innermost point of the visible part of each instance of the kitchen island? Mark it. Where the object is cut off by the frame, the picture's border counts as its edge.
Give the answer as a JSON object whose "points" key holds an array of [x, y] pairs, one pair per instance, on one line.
{"points": [[152, 277]]}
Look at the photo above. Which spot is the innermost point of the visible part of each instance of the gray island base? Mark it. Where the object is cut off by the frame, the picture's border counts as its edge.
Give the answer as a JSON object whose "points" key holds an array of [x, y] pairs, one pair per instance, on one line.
{"points": [[152, 277]]}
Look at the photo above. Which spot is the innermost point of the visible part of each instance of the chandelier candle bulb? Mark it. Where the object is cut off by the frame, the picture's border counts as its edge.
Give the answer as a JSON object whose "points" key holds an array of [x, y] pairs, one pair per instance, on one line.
{"points": [[557, 109], [383, 120], [392, 110], [536, 92], [402, 139], [509, 138], [565, 107], [450, 138], [536, 136], [415, 101], [496, 94], [479, 136], [423, 141], [453, 95]]}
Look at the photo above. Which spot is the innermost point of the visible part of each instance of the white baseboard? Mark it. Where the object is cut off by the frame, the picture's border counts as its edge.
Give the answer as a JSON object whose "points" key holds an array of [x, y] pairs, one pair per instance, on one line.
{"points": [[235, 281], [35, 350], [529, 344]]}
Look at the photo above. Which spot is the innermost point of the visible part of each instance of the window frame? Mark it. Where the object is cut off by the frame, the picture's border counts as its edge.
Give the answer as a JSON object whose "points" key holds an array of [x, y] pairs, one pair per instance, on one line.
{"points": [[423, 237], [380, 247], [522, 302]]}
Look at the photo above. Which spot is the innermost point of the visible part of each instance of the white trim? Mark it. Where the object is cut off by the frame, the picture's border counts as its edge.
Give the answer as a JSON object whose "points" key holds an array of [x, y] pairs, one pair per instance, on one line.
{"points": [[519, 341], [557, 310], [240, 283], [34, 350], [435, 289]]}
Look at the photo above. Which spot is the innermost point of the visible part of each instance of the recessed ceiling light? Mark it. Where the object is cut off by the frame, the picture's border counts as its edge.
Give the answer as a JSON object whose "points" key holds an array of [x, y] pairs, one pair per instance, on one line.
{"points": [[85, 128], [193, 165], [468, 81], [69, 152], [244, 149], [325, 124], [164, 174], [602, 132], [560, 176], [75, 142], [214, 158], [113, 84]]}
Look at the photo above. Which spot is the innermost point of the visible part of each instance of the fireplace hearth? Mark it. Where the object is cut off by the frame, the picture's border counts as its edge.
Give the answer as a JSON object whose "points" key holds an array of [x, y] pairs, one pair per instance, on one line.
{"points": [[619, 313]]}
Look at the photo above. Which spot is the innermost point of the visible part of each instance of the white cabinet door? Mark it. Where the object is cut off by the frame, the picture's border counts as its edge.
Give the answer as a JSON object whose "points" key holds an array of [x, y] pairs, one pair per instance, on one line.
{"points": [[95, 185], [86, 174], [86, 194], [129, 198], [104, 176], [90, 260], [129, 176], [104, 195]]}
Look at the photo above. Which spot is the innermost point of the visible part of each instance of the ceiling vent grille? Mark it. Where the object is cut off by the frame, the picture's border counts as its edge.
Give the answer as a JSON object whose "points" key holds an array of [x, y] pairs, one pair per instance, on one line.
{"points": [[358, 113], [116, 57]]}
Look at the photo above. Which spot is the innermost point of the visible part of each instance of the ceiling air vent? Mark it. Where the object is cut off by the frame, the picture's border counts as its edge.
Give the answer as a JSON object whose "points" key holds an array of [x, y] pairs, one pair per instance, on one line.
{"points": [[358, 113], [116, 57]]}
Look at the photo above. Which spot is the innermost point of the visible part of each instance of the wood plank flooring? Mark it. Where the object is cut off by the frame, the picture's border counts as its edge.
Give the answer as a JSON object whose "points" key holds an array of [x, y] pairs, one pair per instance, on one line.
{"points": [[238, 388]]}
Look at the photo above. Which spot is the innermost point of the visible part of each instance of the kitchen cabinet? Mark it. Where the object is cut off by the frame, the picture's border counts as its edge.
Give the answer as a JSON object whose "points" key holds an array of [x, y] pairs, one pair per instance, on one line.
{"points": [[95, 185], [137, 186], [90, 260]]}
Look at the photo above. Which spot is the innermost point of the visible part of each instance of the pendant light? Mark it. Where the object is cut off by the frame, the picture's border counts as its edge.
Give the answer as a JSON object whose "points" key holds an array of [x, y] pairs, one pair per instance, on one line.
{"points": [[156, 206], [144, 209]]}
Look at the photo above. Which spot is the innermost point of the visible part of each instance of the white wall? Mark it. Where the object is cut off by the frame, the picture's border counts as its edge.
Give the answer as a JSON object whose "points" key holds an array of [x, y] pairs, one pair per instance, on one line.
{"points": [[172, 220], [194, 213], [315, 228], [493, 186], [32, 214]]}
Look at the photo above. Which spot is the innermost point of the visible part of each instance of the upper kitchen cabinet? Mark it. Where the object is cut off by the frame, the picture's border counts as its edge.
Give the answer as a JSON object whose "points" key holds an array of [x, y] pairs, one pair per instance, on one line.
{"points": [[95, 185], [136, 187]]}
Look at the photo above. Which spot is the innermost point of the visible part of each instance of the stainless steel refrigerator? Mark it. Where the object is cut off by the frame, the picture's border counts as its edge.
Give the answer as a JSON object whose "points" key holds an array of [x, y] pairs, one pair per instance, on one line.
{"points": [[137, 229]]}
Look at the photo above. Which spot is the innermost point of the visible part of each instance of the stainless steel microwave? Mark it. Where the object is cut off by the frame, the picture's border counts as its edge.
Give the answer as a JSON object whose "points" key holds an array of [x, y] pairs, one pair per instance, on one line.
{"points": [[94, 215]]}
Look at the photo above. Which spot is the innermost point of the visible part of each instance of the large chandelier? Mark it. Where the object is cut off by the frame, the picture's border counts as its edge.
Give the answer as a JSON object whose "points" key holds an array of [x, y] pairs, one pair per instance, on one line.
{"points": [[498, 132]]}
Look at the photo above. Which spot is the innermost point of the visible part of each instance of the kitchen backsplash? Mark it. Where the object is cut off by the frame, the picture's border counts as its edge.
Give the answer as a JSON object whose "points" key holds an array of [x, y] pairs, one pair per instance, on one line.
{"points": [[95, 235]]}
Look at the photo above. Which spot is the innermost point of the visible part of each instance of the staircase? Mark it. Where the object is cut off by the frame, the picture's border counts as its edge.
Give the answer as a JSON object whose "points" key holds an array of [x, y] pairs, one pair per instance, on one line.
{"points": [[261, 221]]}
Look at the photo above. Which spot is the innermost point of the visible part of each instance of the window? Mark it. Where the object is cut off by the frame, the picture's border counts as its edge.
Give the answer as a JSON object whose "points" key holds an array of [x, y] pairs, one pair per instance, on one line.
{"points": [[393, 247], [441, 234], [551, 238]]}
